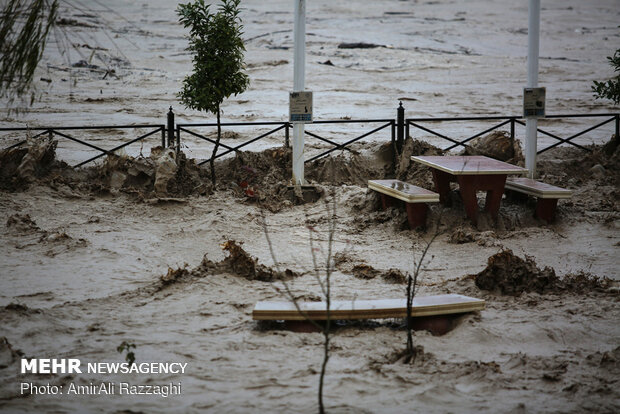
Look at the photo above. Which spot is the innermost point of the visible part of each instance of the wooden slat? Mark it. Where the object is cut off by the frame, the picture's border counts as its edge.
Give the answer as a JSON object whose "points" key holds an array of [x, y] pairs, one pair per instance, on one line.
{"points": [[536, 188], [469, 165], [404, 191], [368, 309]]}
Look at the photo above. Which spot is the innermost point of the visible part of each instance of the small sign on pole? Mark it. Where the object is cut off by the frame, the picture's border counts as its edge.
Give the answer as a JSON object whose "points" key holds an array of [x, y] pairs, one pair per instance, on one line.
{"points": [[300, 107], [534, 102]]}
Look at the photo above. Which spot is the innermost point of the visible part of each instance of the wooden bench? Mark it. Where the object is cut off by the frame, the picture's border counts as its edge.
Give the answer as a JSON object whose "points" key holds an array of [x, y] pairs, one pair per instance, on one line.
{"points": [[416, 198], [367, 309], [547, 195]]}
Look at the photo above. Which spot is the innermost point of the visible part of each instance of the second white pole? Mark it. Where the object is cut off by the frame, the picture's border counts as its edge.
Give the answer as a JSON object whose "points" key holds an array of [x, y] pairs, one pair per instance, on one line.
{"points": [[531, 123], [299, 68]]}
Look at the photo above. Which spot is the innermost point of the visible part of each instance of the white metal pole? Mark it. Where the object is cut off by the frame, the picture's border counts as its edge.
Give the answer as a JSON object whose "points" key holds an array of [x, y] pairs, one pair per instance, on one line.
{"points": [[533, 42], [298, 86]]}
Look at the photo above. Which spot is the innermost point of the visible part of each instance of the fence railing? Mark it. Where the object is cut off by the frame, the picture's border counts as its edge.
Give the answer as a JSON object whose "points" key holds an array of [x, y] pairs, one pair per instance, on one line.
{"points": [[512, 121], [227, 148], [400, 128], [52, 131], [286, 126], [335, 146]]}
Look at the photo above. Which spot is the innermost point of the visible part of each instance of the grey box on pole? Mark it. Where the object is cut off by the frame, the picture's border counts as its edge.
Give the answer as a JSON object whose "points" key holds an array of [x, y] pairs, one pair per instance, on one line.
{"points": [[300, 107], [534, 102]]}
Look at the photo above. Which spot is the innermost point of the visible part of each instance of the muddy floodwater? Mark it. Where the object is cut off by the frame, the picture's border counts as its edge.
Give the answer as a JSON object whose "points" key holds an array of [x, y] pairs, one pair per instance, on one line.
{"points": [[138, 256]]}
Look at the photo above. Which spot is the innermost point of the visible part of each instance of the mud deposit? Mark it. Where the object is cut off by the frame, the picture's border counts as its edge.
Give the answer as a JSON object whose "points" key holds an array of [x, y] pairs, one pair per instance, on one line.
{"points": [[511, 275]]}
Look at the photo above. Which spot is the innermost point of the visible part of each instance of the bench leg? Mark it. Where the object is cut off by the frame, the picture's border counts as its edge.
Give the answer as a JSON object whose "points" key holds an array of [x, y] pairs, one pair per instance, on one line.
{"points": [[545, 209], [515, 196], [387, 201], [416, 214]]}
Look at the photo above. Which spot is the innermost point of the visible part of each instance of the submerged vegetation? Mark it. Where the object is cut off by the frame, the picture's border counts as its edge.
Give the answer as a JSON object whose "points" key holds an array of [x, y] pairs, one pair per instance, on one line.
{"points": [[24, 29]]}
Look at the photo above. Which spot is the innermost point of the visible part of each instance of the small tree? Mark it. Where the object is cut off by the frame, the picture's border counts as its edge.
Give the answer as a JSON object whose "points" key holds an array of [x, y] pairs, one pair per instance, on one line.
{"points": [[216, 43], [611, 88]]}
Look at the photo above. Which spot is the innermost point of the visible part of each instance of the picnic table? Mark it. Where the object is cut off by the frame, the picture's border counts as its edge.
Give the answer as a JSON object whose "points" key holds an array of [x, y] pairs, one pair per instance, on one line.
{"points": [[473, 173]]}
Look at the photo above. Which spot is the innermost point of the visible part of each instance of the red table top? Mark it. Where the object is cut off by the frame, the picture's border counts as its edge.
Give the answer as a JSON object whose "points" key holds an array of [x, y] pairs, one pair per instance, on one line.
{"points": [[469, 165]]}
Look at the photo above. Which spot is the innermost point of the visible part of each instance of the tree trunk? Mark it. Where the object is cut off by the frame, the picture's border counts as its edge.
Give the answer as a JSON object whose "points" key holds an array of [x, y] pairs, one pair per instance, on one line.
{"points": [[323, 368], [216, 147], [326, 334], [409, 305], [412, 283]]}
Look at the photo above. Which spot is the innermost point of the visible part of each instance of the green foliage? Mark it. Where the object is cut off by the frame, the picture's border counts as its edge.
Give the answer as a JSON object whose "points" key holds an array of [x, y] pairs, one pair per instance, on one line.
{"points": [[611, 88], [216, 43], [24, 26], [126, 347]]}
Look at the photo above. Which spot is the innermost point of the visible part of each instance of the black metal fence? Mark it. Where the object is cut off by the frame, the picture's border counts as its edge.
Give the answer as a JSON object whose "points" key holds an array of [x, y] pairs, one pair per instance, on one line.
{"points": [[399, 128], [512, 121], [55, 131], [190, 129], [286, 126], [384, 123]]}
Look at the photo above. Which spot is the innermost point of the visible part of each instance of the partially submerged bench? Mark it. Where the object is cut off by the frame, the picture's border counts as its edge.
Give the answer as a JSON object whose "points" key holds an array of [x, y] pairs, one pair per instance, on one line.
{"points": [[547, 195], [416, 198], [367, 309]]}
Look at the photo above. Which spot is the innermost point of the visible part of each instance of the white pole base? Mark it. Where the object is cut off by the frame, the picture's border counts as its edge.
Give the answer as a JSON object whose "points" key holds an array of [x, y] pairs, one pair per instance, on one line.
{"points": [[298, 154], [531, 124]]}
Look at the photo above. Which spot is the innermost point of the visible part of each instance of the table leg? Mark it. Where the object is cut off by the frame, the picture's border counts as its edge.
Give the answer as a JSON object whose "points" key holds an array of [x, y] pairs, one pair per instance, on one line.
{"points": [[495, 188], [442, 186], [468, 195]]}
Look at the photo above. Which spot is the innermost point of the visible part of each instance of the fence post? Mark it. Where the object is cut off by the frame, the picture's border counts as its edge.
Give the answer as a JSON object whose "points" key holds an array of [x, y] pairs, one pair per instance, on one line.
{"points": [[394, 149], [170, 128], [617, 126], [286, 136], [512, 129], [400, 127], [50, 133]]}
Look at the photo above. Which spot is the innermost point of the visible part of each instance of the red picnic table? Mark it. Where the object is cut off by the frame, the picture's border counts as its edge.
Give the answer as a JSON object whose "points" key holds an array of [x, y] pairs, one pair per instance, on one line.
{"points": [[473, 173]]}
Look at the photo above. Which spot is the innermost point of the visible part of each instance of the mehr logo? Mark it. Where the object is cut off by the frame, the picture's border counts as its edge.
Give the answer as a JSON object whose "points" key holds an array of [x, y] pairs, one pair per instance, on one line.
{"points": [[51, 366], [72, 365]]}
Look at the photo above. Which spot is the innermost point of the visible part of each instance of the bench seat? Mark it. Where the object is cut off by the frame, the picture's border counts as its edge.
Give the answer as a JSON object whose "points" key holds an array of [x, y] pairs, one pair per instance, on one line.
{"points": [[536, 188], [547, 195], [401, 190], [416, 198], [367, 309]]}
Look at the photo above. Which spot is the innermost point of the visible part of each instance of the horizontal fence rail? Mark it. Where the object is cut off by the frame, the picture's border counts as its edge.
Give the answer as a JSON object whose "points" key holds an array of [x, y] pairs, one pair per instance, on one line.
{"points": [[512, 120]]}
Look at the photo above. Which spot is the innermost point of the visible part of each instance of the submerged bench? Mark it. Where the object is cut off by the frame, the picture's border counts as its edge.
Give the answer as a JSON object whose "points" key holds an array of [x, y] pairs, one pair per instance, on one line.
{"points": [[416, 198], [547, 195], [367, 309]]}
